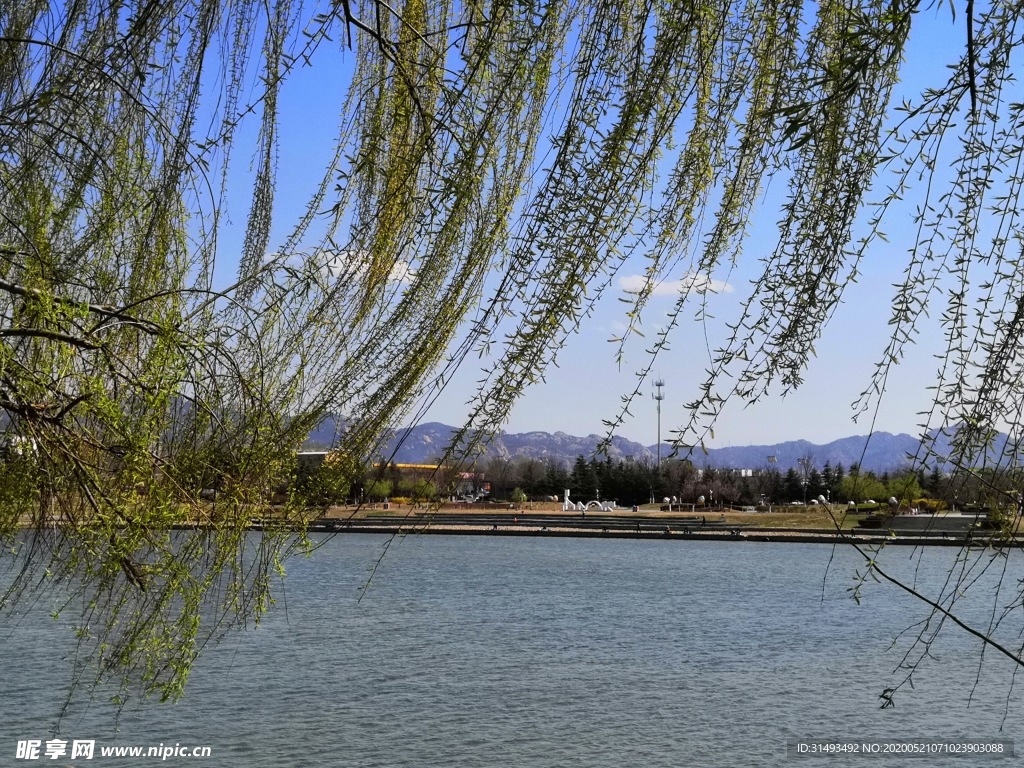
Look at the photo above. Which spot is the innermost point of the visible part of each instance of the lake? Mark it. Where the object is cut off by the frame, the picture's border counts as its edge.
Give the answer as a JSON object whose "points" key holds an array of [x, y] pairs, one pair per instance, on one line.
{"points": [[490, 651]]}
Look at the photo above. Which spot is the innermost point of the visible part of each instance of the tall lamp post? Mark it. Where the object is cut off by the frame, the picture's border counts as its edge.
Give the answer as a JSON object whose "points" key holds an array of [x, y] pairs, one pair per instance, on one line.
{"points": [[805, 465], [658, 395]]}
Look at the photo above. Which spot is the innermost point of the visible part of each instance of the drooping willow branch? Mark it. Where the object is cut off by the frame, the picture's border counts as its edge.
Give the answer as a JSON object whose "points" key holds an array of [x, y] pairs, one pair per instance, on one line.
{"points": [[496, 167]]}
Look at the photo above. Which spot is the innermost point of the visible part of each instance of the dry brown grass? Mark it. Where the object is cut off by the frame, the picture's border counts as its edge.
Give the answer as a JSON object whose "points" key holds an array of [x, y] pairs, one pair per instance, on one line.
{"points": [[807, 517], [780, 517]]}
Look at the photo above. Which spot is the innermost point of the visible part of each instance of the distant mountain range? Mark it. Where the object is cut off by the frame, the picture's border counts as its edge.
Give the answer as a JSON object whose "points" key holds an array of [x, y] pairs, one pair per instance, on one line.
{"points": [[426, 442]]}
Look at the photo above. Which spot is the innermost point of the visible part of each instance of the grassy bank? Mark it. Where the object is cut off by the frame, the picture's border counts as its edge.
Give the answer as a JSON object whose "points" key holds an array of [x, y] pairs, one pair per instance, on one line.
{"points": [[781, 517]]}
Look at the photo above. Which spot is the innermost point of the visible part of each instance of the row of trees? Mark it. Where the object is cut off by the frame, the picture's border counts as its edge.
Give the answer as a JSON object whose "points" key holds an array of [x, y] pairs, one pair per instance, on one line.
{"points": [[637, 482], [337, 481]]}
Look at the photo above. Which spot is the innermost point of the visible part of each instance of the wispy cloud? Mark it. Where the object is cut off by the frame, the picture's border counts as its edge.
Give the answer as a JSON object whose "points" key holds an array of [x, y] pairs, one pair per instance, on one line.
{"points": [[356, 263], [698, 283]]}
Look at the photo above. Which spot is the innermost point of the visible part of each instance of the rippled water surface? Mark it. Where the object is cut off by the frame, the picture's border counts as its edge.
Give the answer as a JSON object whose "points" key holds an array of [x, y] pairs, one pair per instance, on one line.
{"points": [[480, 651]]}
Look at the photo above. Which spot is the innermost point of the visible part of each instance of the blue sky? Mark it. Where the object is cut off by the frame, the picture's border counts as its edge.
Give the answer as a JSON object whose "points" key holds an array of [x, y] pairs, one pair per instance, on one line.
{"points": [[587, 384]]}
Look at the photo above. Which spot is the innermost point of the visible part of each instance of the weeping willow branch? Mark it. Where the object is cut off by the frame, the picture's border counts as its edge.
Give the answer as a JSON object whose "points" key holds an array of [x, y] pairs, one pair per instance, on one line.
{"points": [[495, 167]]}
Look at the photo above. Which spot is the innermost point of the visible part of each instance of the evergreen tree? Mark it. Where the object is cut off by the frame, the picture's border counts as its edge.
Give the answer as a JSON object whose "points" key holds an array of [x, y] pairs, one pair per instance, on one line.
{"points": [[815, 485], [838, 474], [584, 480], [793, 486], [828, 479], [556, 478]]}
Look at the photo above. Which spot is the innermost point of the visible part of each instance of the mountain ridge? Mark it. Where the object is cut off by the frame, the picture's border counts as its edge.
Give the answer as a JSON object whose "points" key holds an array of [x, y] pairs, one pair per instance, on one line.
{"points": [[426, 442]]}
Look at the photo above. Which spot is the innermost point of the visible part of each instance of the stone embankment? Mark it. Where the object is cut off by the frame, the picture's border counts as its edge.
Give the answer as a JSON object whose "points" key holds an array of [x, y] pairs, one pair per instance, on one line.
{"points": [[709, 527]]}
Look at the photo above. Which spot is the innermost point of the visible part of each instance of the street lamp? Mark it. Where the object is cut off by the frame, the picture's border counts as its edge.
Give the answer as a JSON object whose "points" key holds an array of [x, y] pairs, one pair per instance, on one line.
{"points": [[827, 504], [805, 464], [658, 395]]}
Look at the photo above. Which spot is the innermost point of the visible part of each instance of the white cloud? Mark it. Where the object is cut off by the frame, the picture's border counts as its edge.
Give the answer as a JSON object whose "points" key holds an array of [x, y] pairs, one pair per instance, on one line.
{"points": [[328, 264], [697, 283], [618, 327], [355, 264], [402, 272]]}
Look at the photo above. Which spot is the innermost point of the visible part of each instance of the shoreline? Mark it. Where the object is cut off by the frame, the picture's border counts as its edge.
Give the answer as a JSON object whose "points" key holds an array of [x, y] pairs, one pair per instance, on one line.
{"points": [[652, 529], [793, 537], [805, 527]]}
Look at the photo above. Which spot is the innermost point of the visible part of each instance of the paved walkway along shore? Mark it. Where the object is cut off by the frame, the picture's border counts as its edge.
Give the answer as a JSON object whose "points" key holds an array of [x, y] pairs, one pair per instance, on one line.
{"points": [[711, 527]]}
